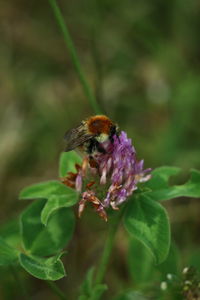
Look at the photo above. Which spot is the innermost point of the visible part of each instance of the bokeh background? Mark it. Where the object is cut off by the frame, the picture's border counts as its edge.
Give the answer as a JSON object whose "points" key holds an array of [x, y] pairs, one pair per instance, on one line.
{"points": [[142, 60]]}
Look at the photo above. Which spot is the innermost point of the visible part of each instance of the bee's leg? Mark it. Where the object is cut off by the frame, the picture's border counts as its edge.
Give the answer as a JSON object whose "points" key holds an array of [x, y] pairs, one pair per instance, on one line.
{"points": [[95, 145], [91, 146], [114, 131], [112, 139], [100, 148]]}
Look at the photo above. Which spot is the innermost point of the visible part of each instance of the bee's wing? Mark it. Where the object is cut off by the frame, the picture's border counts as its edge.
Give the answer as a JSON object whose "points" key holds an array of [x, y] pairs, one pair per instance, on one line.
{"points": [[76, 137]]}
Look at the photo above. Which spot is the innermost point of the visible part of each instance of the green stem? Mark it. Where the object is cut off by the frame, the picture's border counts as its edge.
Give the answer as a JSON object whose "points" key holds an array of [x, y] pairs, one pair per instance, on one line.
{"points": [[19, 282], [70, 45], [56, 290], [98, 68], [108, 247]]}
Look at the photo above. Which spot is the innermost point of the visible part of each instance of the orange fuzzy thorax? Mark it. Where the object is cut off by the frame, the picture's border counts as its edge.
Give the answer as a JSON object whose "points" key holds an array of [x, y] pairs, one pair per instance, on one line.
{"points": [[99, 124]]}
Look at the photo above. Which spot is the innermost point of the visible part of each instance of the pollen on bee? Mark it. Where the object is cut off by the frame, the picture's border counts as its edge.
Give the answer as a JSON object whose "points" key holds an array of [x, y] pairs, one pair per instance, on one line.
{"points": [[102, 137]]}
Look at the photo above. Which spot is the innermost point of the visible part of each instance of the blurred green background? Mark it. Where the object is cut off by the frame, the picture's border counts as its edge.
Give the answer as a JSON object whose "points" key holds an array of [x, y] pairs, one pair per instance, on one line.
{"points": [[142, 60]]}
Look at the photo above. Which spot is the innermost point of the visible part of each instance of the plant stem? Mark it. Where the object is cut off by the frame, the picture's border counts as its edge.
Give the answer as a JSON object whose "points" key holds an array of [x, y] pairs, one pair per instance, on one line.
{"points": [[70, 45], [56, 290], [108, 247], [19, 282], [98, 68]]}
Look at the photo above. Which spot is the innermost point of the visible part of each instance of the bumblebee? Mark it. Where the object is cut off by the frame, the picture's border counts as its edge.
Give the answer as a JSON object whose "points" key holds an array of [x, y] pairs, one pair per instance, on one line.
{"points": [[90, 134]]}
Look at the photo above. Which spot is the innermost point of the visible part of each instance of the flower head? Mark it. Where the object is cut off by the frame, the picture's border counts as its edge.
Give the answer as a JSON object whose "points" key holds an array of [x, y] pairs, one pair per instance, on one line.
{"points": [[108, 179]]}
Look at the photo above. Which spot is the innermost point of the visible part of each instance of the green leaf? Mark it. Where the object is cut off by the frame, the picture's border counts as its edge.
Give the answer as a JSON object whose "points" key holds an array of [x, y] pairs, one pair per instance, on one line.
{"points": [[44, 190], [130, 295], [10, 232], [8, 255], [54, 203], [57, 194], [67, 162], [86, 286], [95, 294], [159, 188], [142, 268], [46, 269], [161, 176], [140, 263], [88, 291], [147, 220], [172, 262], [193, 259], [98, 291], [44, 240]]}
